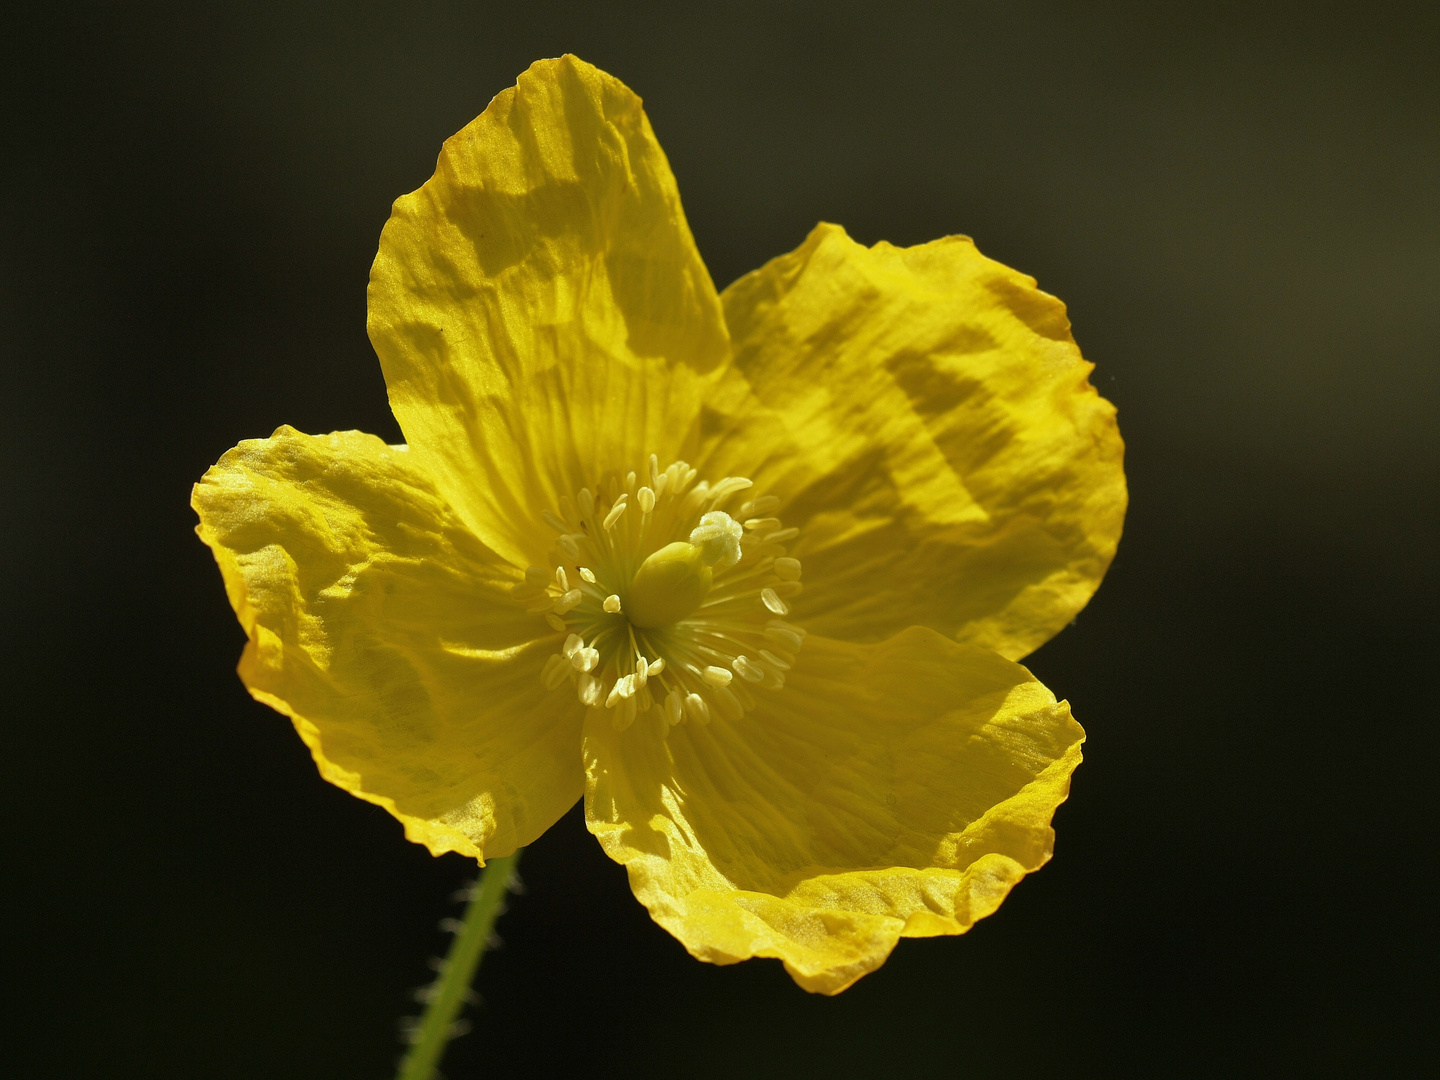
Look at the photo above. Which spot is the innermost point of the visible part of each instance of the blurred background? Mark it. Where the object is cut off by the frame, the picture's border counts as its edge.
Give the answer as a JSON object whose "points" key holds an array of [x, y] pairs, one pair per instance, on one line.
{"points": [[1239, 203]]}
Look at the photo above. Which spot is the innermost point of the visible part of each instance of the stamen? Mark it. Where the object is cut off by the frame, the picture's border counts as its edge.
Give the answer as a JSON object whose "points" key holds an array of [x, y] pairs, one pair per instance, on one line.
{"points": [[747, 669], [614, 515], [727, 487], [786, 568], [773, 660], [554, 672], [697, 710], [535, 579], [591, 690], [782, 633], [763, 505], [668, 616], [772, 600], [728, 705]]}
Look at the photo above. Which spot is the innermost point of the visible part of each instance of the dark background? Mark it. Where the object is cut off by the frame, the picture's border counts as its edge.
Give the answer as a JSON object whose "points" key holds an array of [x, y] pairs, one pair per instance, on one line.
{"points": [[1242, 211]]}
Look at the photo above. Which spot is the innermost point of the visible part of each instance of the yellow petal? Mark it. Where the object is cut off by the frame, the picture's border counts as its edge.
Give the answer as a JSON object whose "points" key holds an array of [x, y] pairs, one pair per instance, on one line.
{"points": [[386, 631], [887, 791], [930, 422], [539, 308]]}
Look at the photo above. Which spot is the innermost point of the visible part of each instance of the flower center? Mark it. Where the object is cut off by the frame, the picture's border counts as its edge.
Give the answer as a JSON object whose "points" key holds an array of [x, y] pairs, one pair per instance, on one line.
{"points": [[668, 602]]}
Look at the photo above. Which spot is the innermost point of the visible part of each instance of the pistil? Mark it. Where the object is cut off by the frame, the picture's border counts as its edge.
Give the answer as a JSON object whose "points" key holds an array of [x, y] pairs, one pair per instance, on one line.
{"points": [[667, 602]]}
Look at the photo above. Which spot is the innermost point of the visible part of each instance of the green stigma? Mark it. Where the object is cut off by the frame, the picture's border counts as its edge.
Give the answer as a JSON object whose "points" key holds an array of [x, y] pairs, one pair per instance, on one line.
{"points": [[674, 581]]}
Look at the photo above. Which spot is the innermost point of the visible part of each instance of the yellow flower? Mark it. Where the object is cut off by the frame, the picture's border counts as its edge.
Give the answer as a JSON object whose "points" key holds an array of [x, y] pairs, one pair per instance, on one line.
{"points": [[583, 573]]}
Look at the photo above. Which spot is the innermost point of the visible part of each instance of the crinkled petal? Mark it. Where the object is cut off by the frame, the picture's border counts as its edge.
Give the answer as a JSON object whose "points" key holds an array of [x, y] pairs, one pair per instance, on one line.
{"points": [[387, 632], [929, 421], [887, 791], [540, 310]]}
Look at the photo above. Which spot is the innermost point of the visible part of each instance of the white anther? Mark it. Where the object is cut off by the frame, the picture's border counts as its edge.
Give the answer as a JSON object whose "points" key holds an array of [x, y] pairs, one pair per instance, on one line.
{"points": [[779, 536], [728, 705], [556, 623], [614, 514], [586, 574], [573, 644], [572, 599], [786, 568], [585, 659], [613, 698], [674, 707], [656, 666], [646, 498], [747, 669], [642, 671], [562, 579], [590, 690], [586, 498], [773, 660], [697, 709], [553, 520], [772, 600], [716, 676], [624, 714], [762, 523], [727, 487], [569, 546], [785, 635], [630, 480], [611, 604], [535, 580], [763, 505], [555, 671]]}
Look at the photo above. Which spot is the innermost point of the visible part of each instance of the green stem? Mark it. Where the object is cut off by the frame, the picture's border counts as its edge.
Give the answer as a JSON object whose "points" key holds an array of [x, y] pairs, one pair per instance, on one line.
{"points": [[453, 985]]}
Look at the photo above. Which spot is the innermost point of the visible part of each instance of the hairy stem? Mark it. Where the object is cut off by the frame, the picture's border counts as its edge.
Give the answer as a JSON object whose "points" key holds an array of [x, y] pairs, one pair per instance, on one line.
{"points": [[452, 986]]}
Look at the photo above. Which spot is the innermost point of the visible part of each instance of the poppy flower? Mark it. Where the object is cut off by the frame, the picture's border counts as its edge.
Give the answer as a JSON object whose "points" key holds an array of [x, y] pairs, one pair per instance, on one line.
{"points": [[750, 571]]}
